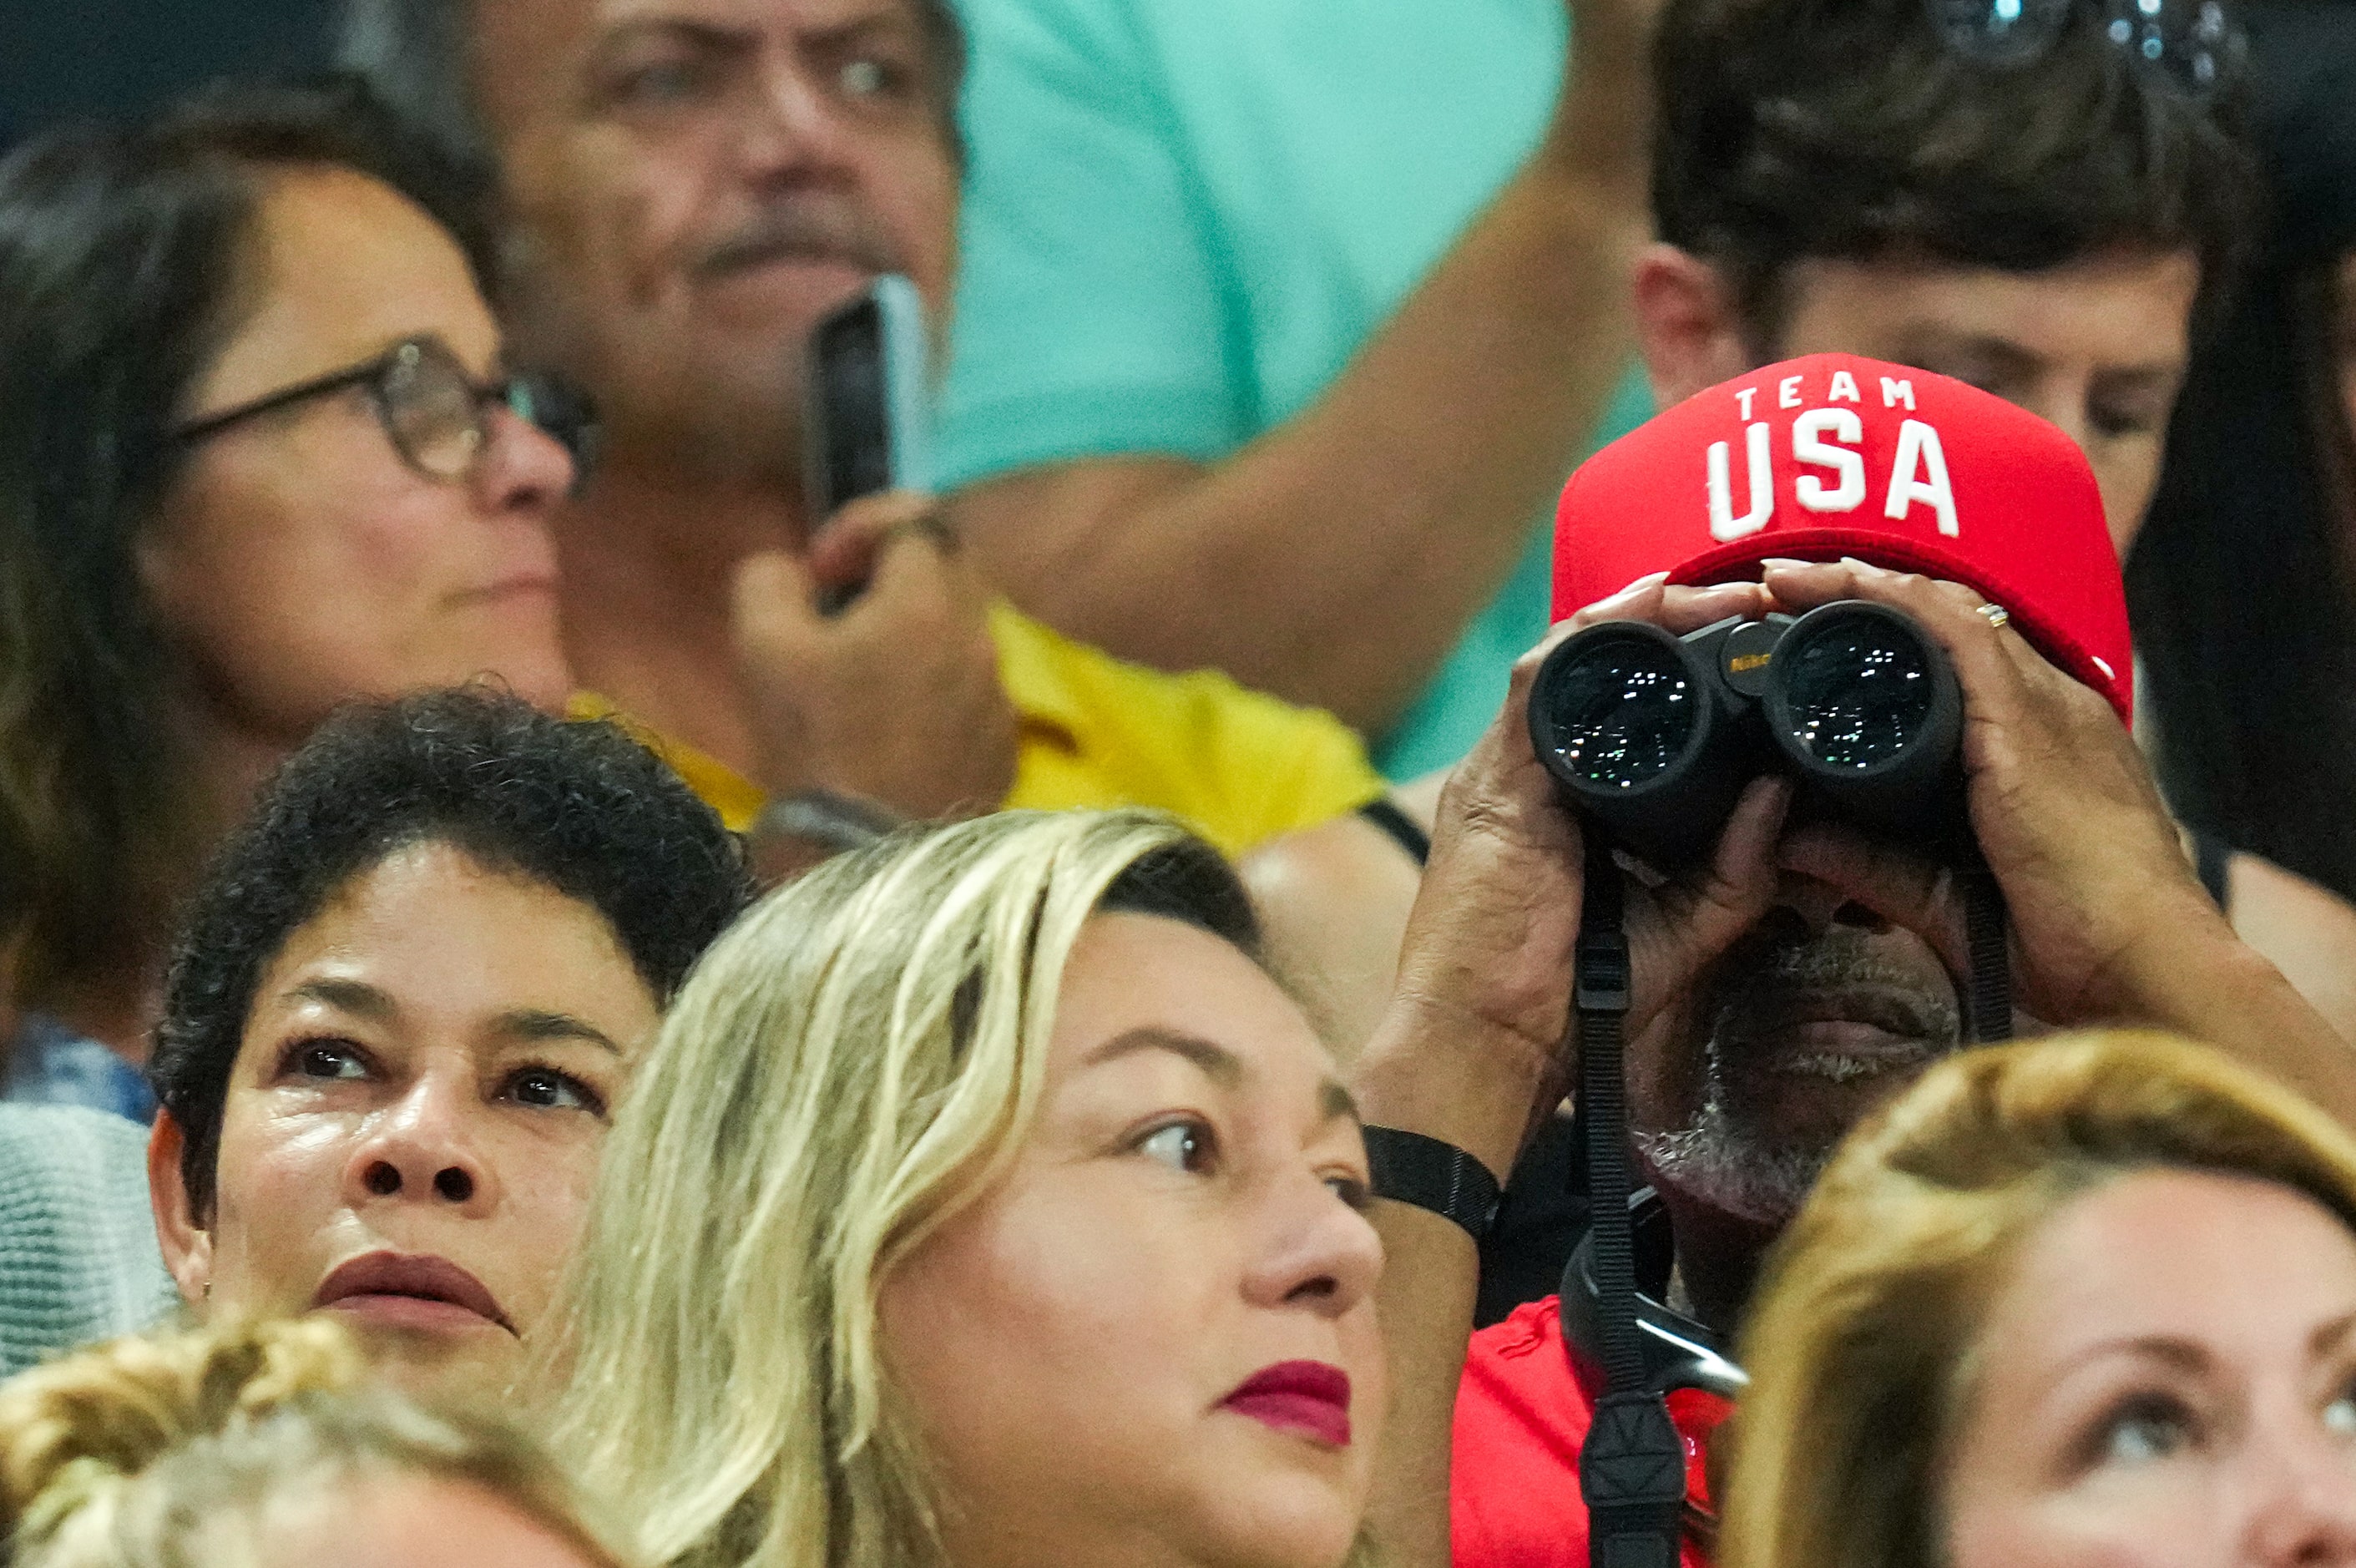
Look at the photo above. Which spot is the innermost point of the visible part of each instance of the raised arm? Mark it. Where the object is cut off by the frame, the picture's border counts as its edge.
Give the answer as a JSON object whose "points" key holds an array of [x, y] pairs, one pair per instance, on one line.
{"points": [[1472, 1050], [1335, 560]]}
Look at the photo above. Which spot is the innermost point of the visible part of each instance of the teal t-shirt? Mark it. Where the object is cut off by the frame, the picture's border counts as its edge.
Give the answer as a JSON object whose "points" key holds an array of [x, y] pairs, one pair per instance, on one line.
{"points": [[1183, 217]]}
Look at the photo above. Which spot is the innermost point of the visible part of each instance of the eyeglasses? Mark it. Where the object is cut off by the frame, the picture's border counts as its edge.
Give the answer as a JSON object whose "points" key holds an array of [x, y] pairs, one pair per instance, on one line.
{"points": [[2196, 41], [431, 409]]}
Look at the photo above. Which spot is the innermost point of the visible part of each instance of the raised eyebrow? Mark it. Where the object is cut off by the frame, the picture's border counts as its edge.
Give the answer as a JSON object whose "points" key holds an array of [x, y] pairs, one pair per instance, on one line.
{"points": [[530, 1024], [2182, 1354], [2007, 357], [883, 22], [1216, 1062], [357, 997], [2135, 377], [2328, 1336], [706, 36], [1335, 1102]]}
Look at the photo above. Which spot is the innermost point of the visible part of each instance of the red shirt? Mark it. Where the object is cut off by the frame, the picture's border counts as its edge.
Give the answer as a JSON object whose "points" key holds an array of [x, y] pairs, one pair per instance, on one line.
{"points": [[1522, 1414]]}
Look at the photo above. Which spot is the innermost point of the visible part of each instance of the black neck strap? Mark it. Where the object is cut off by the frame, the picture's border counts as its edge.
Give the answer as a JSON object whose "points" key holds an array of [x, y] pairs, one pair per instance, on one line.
{"points": [[1986, 932], [1631, 1469]]}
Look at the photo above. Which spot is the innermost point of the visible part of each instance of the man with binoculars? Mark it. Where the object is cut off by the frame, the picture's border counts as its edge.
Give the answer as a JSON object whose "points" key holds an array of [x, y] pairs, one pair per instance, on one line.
{"points": [[1805, 809]]}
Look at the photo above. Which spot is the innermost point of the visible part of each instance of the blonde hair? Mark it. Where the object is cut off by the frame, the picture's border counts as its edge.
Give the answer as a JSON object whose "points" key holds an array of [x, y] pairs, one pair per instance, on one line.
{"points": [[854, 1062], [168, 1449], [1861, 1348]]}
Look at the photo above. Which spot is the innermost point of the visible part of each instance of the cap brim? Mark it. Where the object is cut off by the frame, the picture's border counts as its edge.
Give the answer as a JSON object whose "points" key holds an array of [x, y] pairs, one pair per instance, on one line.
{"points": [[1900, 552]]}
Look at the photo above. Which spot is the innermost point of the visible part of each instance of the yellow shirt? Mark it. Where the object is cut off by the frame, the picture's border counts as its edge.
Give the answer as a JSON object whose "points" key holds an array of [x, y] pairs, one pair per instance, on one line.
{"points": [[1238, 766]]}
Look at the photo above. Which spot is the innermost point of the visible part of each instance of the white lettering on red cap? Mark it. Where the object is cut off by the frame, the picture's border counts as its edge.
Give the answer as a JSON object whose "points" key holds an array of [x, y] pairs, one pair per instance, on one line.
{"points": [[1810, 447], [1920, 473], [1787, 392], [1895, 392], [1723, 523], [1844, 388]]}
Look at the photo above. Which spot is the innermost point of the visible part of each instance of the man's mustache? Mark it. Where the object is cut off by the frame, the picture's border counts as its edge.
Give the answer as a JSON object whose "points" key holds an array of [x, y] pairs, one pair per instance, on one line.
{"points": [[1773, 967], [806, 229], [1828, 960]]}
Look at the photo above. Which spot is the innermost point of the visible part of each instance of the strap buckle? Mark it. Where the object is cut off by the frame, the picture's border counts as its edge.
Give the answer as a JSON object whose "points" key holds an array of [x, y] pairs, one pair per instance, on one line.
{"points": [[1604, 977], [1632, 1469]]}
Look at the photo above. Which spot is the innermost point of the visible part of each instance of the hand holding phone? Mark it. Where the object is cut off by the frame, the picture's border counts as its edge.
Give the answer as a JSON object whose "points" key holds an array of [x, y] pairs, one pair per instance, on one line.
{"points": [[898, 701], [866, 420]]}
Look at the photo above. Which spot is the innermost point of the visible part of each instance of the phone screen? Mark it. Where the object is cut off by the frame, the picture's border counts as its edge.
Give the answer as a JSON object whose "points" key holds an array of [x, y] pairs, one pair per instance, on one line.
{"points": [[852, 451]]}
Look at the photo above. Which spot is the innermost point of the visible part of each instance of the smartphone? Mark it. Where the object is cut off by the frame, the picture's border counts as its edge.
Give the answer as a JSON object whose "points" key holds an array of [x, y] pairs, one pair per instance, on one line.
{"points": [[867, 425]]}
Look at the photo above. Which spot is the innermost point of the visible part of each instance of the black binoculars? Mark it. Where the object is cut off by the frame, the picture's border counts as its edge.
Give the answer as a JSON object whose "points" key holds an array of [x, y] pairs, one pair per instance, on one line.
{"points": [[1655, 736]]}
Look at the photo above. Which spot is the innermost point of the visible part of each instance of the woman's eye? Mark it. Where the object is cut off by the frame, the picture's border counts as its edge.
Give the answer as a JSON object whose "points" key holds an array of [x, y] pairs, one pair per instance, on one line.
{"points": [[546, 1089], [2339, 1415], [327, 1059], [1352, 1189], [2146, 1431], [1182, 1145]]}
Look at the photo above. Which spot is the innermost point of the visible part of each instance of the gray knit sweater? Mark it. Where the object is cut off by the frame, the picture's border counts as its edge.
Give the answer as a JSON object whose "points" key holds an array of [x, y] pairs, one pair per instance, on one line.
{"points": [[78, 1256]]}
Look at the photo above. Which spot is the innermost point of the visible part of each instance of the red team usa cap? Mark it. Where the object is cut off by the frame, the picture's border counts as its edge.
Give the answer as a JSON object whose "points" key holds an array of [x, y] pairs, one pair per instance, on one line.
{"points": [[1835, 455]]}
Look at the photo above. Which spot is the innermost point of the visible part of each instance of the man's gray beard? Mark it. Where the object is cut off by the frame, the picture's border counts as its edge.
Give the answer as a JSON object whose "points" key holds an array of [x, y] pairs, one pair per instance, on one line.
{"points": [[1719, 1162], [1724, 1158]]}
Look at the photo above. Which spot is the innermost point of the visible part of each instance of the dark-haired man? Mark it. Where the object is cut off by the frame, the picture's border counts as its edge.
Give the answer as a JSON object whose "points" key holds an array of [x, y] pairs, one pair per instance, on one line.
{"points": [[692, 185], [1803, 976], [2056, 231], [2048, 231]]}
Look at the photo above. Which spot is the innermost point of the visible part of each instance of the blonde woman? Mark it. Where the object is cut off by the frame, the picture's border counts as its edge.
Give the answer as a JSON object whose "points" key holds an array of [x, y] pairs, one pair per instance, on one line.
{"points": [[262, 1447], [983, 1202], [2083, 1304]]}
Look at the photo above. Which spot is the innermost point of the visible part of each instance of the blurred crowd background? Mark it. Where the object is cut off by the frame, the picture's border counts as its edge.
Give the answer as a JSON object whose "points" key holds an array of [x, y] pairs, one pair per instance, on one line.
{"points": [[120, 56]]}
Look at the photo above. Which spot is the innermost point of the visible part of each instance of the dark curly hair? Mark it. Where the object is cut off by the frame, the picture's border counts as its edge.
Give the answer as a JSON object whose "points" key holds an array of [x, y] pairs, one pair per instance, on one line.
{"points": [[120, 282], [582, 808], [1850, 129]]}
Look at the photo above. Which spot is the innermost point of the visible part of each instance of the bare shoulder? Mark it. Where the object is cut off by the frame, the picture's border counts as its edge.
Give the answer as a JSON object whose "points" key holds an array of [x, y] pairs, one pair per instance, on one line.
{"points": [[1333, 901], [1419, 798], [2306, 931]]}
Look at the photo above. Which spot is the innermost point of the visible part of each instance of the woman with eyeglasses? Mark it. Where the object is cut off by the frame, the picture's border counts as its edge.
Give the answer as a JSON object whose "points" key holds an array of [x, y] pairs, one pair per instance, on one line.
{"points": [[258, 455]]}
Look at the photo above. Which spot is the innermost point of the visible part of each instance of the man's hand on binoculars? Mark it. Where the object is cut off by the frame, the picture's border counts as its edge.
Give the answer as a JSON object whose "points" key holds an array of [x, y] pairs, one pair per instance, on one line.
{"points": [[2062, 804], [1487, 961]]}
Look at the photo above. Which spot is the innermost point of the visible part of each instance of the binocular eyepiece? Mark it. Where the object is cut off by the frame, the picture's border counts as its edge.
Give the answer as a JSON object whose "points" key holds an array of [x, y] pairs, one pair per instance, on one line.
{"points": [[1655, 736]]}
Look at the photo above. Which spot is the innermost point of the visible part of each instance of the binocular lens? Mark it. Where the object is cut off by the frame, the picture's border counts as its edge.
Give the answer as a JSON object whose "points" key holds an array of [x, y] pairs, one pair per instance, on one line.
{"points": [[1861, 692], [1622, 713]]}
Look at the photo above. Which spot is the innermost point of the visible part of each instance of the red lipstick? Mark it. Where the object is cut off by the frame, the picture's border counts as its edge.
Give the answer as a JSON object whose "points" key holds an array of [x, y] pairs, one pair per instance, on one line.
{"points": [[1309, 1398]]}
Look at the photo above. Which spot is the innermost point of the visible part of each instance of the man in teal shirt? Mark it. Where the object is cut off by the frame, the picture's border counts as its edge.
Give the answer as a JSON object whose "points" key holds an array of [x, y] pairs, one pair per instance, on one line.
{"points": [[1279, 323]]}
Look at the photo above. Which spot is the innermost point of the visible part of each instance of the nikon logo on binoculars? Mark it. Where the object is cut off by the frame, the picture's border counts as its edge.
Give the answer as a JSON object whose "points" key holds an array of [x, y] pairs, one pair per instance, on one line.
{"points": [[1824, 445]]}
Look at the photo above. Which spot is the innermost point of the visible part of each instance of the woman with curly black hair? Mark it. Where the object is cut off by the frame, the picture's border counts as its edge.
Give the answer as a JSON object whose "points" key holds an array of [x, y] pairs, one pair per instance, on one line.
{"points": [[402, 1009]]}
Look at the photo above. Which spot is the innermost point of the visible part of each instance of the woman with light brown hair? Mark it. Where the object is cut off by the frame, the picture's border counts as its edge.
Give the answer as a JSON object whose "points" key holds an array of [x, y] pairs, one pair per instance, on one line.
{"points": [[265, 1446], [2089, 1302]]}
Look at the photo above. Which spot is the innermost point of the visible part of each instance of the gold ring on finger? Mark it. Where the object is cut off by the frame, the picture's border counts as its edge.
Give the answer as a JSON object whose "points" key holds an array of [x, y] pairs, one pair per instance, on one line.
{"points": [[1995, 614]]}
